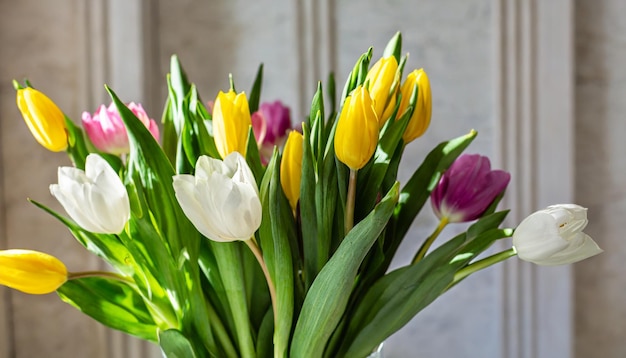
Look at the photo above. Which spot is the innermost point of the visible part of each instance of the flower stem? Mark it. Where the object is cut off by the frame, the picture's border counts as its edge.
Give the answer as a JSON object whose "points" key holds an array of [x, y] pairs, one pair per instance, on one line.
{"points": [[103, 274], [481, 264], [259, 257], [349, 218], [428, 243]]}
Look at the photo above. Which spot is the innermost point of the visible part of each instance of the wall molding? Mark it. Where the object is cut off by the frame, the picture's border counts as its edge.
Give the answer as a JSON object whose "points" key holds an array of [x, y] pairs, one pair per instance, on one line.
{"points": [[533, 73]]}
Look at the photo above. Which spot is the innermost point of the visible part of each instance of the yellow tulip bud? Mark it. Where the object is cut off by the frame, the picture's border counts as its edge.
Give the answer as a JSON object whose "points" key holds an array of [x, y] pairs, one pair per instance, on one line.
{"points": [[422, 110], [381, 80], [356, 135], [44, 119], [31, 271], [231, 123], [291, 168]]}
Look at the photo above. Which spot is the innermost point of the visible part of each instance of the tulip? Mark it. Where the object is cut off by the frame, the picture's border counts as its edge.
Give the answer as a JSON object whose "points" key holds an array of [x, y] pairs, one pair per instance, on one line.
{"points": [[291, 168], [231, 123], [381, 79], [31, 272], [107, 131], [553, 236], [356, 134], [467, 189], [44, 119], [422, 108], [222, 199], [278, 122], [95, 198]]}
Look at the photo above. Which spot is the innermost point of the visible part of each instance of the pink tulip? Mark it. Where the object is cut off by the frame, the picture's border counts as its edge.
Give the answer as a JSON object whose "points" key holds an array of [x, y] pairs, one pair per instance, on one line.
{"points": [[467, 189], [106, 129]]}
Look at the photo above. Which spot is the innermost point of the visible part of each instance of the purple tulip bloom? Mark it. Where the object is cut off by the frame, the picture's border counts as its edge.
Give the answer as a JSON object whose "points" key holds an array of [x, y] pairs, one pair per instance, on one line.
{"points": [[467, 189], [277, 121]]}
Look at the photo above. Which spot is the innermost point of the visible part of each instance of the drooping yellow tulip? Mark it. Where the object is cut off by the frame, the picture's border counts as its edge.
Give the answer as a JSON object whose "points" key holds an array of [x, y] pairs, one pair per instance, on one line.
{"points": [[31, 272], [44, 119], [420, 119], [356, 135], [381, 80], [291, 168], [231, 123]]}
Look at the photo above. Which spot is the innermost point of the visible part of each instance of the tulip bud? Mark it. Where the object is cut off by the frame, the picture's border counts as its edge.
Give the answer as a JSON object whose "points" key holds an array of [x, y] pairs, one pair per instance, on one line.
{"points": [[422, 108], [356, 134], [31, 272], [222, 199], [231, 123], [96, 198], [107, 131], [381, 79], [291, 168], [554, 236], [44, 119], [467, 189]]}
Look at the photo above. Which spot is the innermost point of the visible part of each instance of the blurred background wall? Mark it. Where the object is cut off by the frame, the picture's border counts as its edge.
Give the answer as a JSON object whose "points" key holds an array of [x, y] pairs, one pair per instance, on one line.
{"points": [[542, 82]]}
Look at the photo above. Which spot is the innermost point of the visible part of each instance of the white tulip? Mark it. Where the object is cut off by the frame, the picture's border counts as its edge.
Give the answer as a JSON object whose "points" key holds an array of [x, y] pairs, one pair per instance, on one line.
{"points": [[222, 199], [95, 198], [554, 236]]}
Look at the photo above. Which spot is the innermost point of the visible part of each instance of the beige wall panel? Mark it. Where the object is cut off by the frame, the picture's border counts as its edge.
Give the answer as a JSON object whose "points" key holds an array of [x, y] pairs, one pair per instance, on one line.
{"points": [[42, 41], [601, 175]]}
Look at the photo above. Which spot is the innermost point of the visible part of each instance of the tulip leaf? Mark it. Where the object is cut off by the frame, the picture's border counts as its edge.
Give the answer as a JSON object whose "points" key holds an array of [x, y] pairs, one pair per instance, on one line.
{"points": [[394, 47], [398, 296], [328, 296], [112, 303], [255, 91], [175, 345], [308, 209], [253, 158], [417, 190], [277, 227], [356, 76]]}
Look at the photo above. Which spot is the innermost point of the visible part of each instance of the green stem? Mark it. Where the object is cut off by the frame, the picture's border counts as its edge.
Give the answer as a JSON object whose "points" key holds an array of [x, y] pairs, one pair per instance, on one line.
{"points": [[481, 264], [428, 243], [220, 332], [228, 257], [349, 219], [103, 274], [259, 257]]}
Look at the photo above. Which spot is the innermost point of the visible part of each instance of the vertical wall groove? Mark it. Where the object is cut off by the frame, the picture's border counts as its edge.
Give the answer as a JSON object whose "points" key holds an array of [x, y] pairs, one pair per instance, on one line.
{"points": [[530, 101]]}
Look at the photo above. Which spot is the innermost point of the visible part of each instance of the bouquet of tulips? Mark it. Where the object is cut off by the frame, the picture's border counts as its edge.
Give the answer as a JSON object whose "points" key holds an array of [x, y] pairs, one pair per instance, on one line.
{"points": [[224, 243]]}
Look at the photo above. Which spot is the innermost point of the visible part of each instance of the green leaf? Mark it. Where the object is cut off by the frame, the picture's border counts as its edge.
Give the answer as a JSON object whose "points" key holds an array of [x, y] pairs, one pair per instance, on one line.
{"points": [[255, 92], [398, 296], [394, 47], [327, 298], [175, 345], [112, 303], [278, 226]]}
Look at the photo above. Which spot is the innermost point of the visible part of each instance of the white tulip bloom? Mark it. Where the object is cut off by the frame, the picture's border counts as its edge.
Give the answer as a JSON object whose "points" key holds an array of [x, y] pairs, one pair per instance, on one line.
{"points": [[554, 236], [222, 199], [95, 198]]}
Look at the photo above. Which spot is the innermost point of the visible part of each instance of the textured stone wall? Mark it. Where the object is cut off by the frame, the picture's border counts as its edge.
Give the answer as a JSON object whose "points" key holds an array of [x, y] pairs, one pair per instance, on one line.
{"points": [[601, 175], [41, 41]]}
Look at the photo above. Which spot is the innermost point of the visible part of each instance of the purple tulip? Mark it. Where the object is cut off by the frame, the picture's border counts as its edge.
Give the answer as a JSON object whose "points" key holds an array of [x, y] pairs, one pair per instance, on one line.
{"points": [[277, 122], [467, 189]]}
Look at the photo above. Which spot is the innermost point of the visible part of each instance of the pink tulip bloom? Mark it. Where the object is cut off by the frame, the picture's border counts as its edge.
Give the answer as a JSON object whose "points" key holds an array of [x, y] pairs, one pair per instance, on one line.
{"points": [[467, 189], [106, 129]]}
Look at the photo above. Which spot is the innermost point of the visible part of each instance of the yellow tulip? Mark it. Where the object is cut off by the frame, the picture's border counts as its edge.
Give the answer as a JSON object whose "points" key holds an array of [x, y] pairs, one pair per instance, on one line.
{"points": [[381, 80], [231, 123], [31, 271], [356, 135], [420, 118], [44, 119], [291, 168]]}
